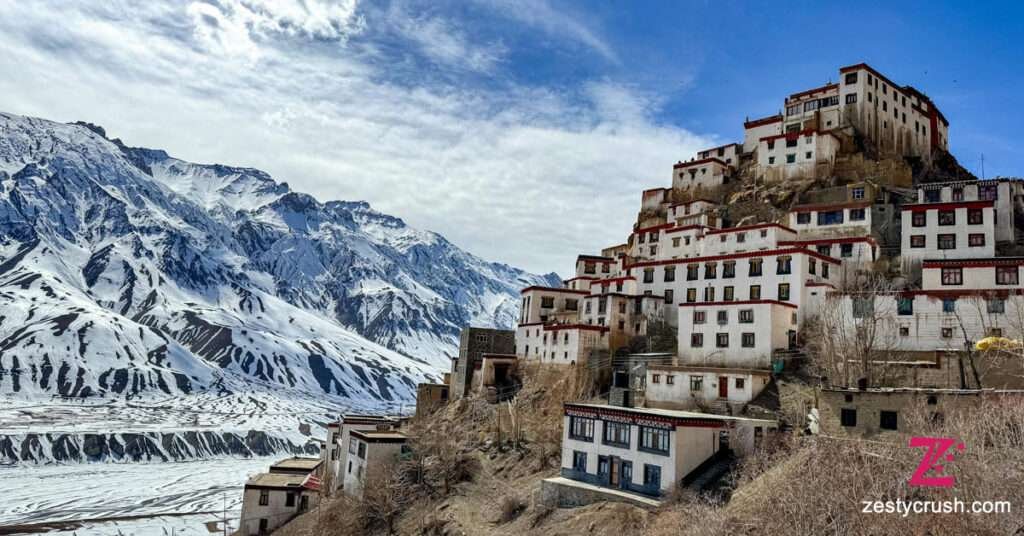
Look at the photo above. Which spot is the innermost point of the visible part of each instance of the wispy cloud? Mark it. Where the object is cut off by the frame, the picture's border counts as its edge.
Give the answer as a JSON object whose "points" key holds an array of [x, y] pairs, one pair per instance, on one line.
{"points": [[559, 23], [524, 174]]}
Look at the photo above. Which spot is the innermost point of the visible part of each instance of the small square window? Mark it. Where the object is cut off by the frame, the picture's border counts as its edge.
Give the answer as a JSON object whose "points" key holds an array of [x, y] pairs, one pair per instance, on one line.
{"points": [[848, 417], [888, 420]]}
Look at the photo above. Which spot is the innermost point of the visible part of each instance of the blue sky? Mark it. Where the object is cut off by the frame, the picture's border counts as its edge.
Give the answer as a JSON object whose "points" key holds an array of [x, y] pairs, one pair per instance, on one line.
{"points": [[522, 131]]}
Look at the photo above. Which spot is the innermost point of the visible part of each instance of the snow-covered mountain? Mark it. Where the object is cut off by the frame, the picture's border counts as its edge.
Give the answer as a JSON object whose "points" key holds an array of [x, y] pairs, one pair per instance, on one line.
{"points": [[125, 272]]}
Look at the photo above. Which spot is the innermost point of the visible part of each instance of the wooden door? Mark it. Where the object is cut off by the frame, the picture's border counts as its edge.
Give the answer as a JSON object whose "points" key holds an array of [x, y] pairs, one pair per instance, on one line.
{"points": [[723, 387], [615, 471]]}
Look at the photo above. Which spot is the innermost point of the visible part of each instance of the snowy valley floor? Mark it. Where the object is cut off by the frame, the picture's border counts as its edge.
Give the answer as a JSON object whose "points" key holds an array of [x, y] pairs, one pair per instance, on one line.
{"points": [[131, 499], [44, 492]]}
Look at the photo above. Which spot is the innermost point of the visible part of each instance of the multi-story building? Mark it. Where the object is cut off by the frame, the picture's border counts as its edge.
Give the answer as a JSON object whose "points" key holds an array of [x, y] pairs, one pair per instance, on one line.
{"points": [[947, 230], [338, 437], [369, 452], [646, 451], [271, 499], [689, 387], [475, 342]]}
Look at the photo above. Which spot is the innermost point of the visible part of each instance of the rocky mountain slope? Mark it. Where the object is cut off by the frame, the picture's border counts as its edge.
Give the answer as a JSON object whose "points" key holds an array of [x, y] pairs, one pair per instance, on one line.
{"points": [[126, 272]]}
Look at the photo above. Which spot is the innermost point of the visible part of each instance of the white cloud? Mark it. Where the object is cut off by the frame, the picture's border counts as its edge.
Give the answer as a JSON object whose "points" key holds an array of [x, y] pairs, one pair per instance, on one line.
{"points": [[541, 14], [526, 175]]}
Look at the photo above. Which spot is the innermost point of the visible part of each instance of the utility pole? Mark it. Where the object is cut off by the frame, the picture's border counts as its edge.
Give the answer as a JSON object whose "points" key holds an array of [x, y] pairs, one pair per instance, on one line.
{"points": [[982, 166], [224, 513]]}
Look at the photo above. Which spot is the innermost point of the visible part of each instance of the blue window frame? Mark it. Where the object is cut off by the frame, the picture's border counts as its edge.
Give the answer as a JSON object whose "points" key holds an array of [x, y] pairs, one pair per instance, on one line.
{"points": [[655, 440], [579, 461], [616, 434], [949, 305], [652, 476], [581, 428]]}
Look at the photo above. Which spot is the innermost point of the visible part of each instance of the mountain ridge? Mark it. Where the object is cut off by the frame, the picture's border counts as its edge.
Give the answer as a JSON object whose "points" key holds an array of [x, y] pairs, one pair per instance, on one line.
{"points": [[126, 271]]}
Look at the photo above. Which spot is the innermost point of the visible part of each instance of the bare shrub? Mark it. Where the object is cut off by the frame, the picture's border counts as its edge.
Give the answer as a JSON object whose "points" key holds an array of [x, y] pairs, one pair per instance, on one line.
{"points": [[511, 507]]}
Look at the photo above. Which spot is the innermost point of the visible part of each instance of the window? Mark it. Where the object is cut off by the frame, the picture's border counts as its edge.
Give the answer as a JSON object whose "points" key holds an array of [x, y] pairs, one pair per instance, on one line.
{"points": [[710, 270], [741, 238], [670, 296], [616, 434], [746, 316], [932, 196], [807, 155], [700, 317], [696, 340], [722, 340], [571, 305], [696, 384], [1007, 275], [771, 145], [917, 241], [589, 268], [919, 219], [547, 302], [831, 217], [709, 294], [905, 306], [887, 420], [579, 461], [289, 499], [728, 294], [755, 292], [692, 272], [654, 440], [648, 275], [729, 269], [723, 317], [863, 306], [670, 380], [947, 241], [947, 217], [790, 158], [755, 267], [856, 214], [783, 291], [803, 218], [846, 250], [949, 306], [581, 428], [975, 216], [952, 276], [857, 193], [655, 378], [988, 192], [996, 305], [353, 446], [747, 340], [771, 160], [691, 295], [824, 249], [670, 274], [904, 331], [824, 270], [946, 333], [264, 526], [784, 265], [264, 497], [652, 476], [675, 242], [741, 383], [976, 240], [848, 417], [812, 266], [362, 450], [851, 78]]}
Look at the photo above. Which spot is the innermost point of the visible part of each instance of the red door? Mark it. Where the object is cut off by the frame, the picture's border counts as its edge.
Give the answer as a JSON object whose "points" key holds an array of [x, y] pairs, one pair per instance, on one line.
{"points": [[723, 387]]}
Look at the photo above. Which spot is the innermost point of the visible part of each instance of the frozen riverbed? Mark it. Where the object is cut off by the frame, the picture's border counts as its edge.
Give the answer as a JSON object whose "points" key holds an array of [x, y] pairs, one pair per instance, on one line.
{"points": [[186, 498]]}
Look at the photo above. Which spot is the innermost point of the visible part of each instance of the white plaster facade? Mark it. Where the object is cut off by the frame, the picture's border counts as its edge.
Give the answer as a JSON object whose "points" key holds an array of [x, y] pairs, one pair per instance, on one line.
{"points": [[684, 387], [370, 451], [703, 174], [666, 443], [953, 230], [741, 334]]}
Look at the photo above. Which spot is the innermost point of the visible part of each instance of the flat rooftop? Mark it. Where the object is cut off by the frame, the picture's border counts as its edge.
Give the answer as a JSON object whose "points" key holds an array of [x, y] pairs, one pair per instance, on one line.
{"points": [[669, 413], [380, 436], [698, 368], [297, 464], [276, 480]]}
